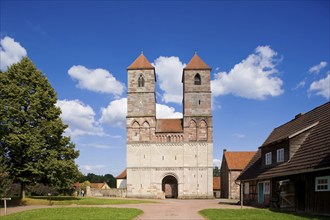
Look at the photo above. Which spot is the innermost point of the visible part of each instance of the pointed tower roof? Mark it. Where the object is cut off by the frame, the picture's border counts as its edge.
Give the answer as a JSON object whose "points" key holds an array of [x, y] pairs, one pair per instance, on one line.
{"points": [[140, 63], [196, 63]]}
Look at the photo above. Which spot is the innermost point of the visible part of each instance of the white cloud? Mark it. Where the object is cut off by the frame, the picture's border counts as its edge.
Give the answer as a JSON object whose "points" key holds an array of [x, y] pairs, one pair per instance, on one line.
{"points": [[321, 87], [301, 84], [164, 111], [10, 52], [97, 80], [115, 113], [169, 75], [217, 163], [252, 78], [92, 167], [80, 118], [318, 68], [238, 135]]}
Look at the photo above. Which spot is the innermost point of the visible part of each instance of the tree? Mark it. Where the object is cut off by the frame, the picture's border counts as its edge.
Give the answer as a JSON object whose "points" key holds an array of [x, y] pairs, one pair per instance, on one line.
{"points": [[216, 171], [5, 181], [31, 130]]}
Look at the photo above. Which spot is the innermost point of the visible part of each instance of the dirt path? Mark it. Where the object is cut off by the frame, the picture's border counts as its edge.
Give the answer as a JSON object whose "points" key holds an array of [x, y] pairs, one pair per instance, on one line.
{"points": [[163, 209]]}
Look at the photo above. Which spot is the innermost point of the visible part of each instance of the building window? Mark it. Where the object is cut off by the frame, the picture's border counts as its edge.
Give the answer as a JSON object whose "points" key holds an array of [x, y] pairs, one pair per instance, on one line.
{"points": [[268, 158], [322, 183], [141, 81], [280, 155], [197, 79], [246, 188], [266, 187]]}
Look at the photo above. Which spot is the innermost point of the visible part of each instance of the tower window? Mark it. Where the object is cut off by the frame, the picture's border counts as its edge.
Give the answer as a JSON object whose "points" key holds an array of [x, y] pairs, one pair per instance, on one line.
{"points": [[141, 81], [197, 79]]}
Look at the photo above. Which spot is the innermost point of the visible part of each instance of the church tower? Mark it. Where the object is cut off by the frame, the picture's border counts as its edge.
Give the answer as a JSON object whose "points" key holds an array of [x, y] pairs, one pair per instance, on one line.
{"points": [[141, 101], [197, 110]]}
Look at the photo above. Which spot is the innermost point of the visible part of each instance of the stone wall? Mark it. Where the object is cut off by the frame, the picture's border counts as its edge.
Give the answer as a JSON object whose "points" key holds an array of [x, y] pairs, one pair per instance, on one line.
{"points": [[190, 163], [234, 188], [113, 192]]}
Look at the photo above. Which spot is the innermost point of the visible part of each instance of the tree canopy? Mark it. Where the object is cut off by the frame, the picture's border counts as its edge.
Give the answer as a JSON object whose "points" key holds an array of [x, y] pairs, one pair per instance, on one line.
{"points": [[94, 178], [31, 130]]}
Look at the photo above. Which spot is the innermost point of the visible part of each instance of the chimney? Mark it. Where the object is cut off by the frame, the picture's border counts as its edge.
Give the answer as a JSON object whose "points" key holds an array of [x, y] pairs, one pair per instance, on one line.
{"points": [[298, 116], [224, 150]]}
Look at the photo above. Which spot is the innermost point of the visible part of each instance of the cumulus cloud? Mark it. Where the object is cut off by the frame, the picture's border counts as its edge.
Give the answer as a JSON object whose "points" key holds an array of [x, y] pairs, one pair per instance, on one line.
{"points": [[321, 87], [10, 52], [238, 135], [80, 118], [115, 113], [96, 80], [318, 68], [169, 75], [216, 163], [92, 167], [164, 111], [252, 78]]}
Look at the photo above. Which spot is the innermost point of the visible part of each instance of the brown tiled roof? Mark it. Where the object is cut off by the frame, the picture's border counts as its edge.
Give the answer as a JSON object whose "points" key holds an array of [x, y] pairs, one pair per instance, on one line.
{"points": [[196, 63], [123, 175], [140, 63], [238, 160], [169, 125], [216, 183], [313, 154], [97, 185]]}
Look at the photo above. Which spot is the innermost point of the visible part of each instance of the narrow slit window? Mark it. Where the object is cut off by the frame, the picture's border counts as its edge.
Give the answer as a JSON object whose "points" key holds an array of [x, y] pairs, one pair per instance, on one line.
{"points": [[141, 81], [197, 79]]}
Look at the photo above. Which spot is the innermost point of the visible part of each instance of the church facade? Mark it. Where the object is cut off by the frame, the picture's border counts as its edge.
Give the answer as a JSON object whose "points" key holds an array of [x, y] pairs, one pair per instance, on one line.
{"points": [[169, 158]]}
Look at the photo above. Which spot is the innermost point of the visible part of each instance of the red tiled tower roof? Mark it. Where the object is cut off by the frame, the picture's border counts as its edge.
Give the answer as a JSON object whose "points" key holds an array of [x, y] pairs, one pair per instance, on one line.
{"points": [[196, 63], [140, 63]]}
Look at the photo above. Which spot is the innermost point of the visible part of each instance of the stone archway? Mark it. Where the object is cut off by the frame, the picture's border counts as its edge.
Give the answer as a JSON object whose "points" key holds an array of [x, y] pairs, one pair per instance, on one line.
{"points": [[170, 187]]}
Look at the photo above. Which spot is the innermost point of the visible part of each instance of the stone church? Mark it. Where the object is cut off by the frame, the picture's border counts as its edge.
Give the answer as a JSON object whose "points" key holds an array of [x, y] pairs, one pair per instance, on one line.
{"points": [[169, 158]]}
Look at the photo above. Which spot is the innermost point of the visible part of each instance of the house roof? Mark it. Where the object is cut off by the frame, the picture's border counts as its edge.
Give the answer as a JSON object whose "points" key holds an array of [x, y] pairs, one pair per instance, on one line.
{"points": [[123, 175], [196, 63], [216, 183], [140, 63], [313, 153], [238, 160], [169, 125], [97, 185]]}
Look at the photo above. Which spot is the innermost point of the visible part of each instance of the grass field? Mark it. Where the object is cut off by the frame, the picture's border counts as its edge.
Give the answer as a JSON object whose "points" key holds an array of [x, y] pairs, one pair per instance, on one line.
{"points": [[75, 213], [70, 200], [243, 214]]}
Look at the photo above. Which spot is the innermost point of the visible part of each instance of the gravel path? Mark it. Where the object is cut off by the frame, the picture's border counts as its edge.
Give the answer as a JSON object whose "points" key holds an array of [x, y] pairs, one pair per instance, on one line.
{"points": [[163, 209]]}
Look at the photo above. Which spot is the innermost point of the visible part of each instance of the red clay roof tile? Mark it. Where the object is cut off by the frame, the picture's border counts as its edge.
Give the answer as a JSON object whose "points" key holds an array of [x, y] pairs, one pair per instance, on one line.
{"points": [[140, 63], [169, 125], [238, 160], [196, 63]]}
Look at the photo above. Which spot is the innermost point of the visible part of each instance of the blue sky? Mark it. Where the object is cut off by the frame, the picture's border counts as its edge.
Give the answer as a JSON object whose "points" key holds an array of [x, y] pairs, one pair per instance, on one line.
{"points": [[269, 59]]}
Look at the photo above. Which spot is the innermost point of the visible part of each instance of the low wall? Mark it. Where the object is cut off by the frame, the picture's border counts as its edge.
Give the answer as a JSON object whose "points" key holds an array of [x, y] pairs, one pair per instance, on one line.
{"points": [[113, 192]]}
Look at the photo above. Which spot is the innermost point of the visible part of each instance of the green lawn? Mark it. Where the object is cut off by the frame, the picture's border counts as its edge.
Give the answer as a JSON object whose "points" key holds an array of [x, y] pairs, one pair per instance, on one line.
{"points": [[70, 200], [243, 214], [75, 213]]}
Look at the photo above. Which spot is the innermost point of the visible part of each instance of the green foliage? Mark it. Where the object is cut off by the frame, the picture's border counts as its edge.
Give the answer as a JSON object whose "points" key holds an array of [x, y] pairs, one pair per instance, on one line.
{"points": [[237, 214], [5, 181], [216, 171], [94, 178], [76, 213], [31, 130]]}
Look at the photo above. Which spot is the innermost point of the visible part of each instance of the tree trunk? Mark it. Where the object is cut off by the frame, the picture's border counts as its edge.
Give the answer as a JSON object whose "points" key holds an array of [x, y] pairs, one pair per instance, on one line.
{"points": [[23, 190]]}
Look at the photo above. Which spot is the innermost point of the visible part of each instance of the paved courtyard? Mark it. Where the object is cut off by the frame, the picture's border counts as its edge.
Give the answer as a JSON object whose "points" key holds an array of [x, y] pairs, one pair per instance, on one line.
{"points": [[163, 209]]}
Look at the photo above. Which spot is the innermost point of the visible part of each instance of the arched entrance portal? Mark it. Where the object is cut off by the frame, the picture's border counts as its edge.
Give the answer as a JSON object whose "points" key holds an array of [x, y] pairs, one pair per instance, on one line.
{"points": [[170, 187]]}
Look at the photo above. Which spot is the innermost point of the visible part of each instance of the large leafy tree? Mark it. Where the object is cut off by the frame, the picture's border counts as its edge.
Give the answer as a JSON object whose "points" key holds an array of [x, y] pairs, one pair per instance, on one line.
{"points": [[31, 130]]}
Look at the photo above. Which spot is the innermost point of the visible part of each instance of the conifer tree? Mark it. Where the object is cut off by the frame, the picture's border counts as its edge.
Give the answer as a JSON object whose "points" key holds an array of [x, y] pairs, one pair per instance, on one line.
{"points": [[31, 130]]}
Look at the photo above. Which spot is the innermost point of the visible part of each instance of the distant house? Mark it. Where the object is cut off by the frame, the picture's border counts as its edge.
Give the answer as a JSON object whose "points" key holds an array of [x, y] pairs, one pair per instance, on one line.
{"points": [[216, 187], [232, 165], [291, 169], [99, 186], [121, 180]]}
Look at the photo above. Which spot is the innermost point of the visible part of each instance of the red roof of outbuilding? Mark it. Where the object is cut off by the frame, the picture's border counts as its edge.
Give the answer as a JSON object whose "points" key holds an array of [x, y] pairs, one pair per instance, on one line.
{"points": [[238, 160], [123, 175], [216, 183]]}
